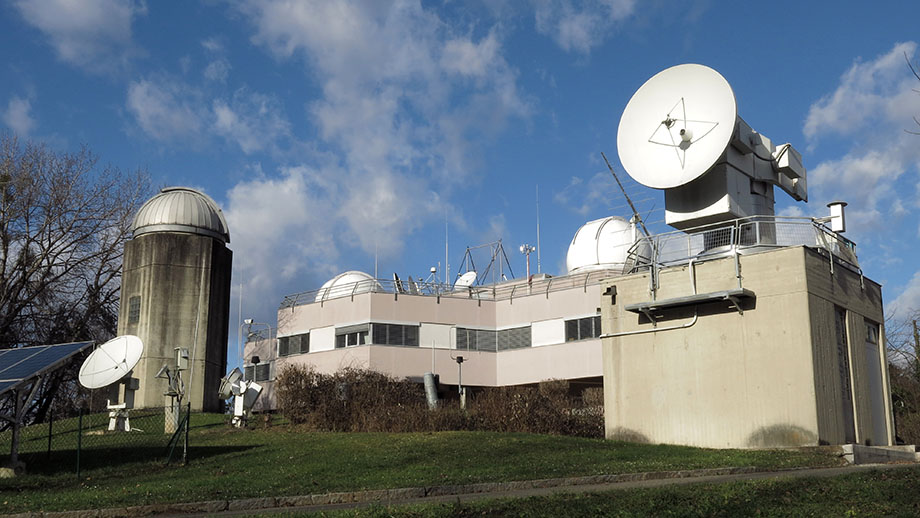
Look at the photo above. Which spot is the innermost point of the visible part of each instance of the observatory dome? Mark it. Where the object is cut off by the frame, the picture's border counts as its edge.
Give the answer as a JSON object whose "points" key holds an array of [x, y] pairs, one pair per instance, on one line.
{"points": [[348, 283], [602, 243], [181, 209]]}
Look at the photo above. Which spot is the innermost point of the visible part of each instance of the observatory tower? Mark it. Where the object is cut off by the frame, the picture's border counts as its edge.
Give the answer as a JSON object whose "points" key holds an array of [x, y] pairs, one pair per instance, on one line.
{"points": [[175, 293]]}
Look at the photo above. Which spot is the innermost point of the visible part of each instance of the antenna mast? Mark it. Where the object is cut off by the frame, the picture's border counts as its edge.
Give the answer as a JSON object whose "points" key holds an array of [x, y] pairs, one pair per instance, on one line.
{"points": [[631, 206], [539, 268]]}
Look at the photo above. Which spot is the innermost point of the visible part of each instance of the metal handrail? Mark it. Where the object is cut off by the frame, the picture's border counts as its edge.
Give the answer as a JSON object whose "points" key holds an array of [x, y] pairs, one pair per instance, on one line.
{"points": [[649, 253], [497, 292], [742, 236]]}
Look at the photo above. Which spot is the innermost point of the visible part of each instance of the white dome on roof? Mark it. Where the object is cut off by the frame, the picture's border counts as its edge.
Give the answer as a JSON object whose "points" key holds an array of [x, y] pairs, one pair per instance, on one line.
{"points": [[348, 283], [602, 243], [181, 209]]}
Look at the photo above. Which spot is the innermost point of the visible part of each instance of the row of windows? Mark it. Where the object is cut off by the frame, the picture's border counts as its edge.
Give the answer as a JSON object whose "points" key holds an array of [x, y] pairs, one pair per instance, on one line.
{"points": [[295, 344], [467, 339], [582, 328], [260, 372], [381, 334], [488, 340]]}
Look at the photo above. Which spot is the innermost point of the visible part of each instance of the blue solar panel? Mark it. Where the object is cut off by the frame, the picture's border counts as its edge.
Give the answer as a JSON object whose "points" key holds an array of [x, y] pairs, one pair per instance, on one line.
{"points": [[20, 365]]}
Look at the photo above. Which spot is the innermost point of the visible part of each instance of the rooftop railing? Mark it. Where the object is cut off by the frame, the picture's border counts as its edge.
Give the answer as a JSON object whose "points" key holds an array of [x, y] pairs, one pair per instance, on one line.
{"points": [[507, 290], [745, 235], [738, 237]]}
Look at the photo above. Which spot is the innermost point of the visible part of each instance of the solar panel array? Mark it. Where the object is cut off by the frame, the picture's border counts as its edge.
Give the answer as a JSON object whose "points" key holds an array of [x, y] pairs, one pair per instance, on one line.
{"points": [[20, 365]]}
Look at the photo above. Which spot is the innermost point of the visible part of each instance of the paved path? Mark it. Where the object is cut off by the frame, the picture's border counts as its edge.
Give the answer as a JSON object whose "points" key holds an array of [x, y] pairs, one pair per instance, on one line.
{"points": [[685, 477], [460, 493]]}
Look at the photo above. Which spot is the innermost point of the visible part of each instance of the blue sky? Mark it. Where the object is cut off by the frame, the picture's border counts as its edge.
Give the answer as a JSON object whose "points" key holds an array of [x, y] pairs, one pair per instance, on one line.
{"points": [[328, 130]]}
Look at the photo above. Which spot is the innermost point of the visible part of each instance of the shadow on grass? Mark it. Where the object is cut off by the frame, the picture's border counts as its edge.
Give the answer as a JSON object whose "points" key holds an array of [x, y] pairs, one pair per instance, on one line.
{"points": [[115, 460]]}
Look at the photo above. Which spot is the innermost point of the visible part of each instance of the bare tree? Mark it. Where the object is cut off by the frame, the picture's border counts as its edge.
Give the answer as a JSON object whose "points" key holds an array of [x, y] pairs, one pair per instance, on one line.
{"points": [[914, 70], [63, 225]]}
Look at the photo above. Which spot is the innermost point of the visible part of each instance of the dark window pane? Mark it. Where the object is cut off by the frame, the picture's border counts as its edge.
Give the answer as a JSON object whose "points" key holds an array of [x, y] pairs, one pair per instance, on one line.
{"points": [[585, 328], [411, 336], [463, 338], [305, 343], [263, 372], [571, 330], [340, 341], [134, 309], [486, 340], [597, 326], [248, 372], [284, 345], [379, 333]]}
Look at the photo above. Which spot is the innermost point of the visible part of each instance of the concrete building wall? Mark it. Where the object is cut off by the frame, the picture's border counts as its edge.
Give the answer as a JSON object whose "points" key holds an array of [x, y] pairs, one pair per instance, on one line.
{"points": [[767, 377], [182, 282]]}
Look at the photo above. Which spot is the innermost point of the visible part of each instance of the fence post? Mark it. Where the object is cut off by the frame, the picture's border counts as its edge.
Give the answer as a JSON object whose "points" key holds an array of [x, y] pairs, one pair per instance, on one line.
{"points": [[50, 428], [188, 421], [79, 439]]}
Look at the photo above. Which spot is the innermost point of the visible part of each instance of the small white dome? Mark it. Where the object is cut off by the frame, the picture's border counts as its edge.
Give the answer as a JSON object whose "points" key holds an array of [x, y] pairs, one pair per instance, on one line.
{"points": [[348, 283], [180, 209], [602, 243]]}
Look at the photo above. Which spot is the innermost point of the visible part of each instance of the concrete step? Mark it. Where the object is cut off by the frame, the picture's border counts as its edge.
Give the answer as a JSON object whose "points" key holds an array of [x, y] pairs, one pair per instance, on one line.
{"points": [[859, 454]]}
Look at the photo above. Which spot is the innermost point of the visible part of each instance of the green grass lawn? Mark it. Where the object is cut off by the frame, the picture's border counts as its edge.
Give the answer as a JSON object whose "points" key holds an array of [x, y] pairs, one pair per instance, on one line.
{"points": [[877, 493], [282, 460]]}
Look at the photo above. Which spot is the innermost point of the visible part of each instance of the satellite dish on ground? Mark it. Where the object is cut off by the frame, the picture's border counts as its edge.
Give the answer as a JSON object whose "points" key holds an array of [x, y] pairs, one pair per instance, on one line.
{"points": [[111, 361], [466, 280]]}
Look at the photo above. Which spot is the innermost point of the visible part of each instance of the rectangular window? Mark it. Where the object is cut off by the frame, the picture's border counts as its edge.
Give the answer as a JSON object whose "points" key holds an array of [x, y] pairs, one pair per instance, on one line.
{"points": [[134, 309], [294, 344], [582, 328], [350, 336], [248, 372], [284, 347], [516, 338], [263, 372], [395, 334], [463, 339], [477, 339]]}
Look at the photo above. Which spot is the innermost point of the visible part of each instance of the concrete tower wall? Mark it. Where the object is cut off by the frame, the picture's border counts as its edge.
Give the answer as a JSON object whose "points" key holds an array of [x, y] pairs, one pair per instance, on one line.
{"points": [[179, 286]]}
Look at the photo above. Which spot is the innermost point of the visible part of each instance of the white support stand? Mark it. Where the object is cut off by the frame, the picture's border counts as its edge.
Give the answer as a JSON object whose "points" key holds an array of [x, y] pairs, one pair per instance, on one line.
{"points": [[119, 418]]}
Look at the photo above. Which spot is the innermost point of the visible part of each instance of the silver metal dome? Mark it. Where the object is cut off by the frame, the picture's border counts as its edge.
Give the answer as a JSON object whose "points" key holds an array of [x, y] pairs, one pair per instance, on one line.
{"points": [[181, 209]]}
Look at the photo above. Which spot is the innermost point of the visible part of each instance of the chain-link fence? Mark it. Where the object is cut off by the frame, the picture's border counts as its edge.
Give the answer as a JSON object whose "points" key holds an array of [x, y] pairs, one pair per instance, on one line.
{"points": [[90, 440]]}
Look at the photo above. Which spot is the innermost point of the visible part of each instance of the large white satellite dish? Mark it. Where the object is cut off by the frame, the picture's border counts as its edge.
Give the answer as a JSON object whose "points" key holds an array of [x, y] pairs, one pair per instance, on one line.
{"points": [[111, 361], [676, 126]]}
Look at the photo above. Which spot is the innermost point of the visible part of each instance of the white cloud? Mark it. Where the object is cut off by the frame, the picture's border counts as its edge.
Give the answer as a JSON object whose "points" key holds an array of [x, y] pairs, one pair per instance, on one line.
{"points": [[212, 45], [18, 117], [280, 230], [587, 197], [166, 110], [217, 70], [405, 103], [580, 26], [253, 121], [468, 58], [869, 112], [94, 34], [869, 92], [908, 301]]}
